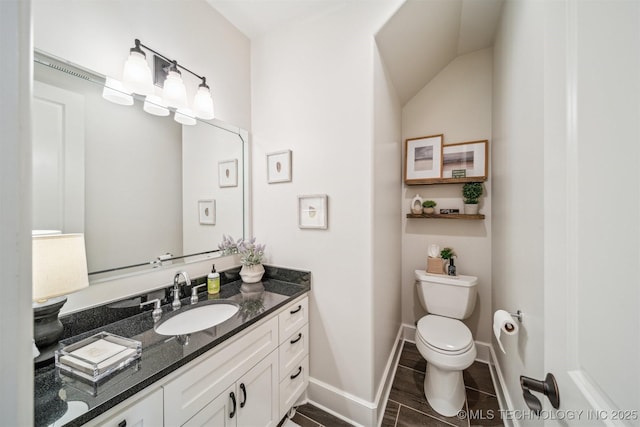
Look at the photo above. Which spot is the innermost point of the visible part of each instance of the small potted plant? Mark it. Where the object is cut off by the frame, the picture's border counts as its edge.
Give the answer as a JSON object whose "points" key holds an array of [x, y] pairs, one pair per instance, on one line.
{"points": [[471, 192], [427, 206], [251, 255]]}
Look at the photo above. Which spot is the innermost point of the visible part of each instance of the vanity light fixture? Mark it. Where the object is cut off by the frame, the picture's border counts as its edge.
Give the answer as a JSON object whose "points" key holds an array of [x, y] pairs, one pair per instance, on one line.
{"points": [[137, 78]]}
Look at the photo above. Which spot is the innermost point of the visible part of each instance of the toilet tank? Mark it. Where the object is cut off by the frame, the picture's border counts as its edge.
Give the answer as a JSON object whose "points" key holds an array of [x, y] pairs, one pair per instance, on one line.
{"points": [[450, 296]]}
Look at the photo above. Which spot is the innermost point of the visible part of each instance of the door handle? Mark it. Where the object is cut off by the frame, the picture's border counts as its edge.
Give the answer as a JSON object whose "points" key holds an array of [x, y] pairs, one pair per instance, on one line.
{"points": [[244, 395], [548, 387], [233, 399]]}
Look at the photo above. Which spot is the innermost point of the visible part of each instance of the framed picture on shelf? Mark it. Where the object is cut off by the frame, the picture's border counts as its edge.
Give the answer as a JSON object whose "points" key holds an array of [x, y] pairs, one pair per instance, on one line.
{"points": [[466, 159], [423, 159], [279, 166], [312, 211], [207, 212], [228, 173]]}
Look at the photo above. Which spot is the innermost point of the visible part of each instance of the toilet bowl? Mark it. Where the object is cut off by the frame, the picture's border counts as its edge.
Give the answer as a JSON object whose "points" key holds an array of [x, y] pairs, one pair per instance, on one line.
{"points": [[447, 346], [443, 340]]}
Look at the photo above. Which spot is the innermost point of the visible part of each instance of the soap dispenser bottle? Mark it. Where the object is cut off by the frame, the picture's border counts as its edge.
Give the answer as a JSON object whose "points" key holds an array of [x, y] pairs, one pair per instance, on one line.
{"points": [[213, 281], [451, 269]]}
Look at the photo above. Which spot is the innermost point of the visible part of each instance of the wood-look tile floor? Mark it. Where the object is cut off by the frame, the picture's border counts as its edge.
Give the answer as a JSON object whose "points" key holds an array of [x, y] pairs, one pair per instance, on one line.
{"points": [[408, 407]]}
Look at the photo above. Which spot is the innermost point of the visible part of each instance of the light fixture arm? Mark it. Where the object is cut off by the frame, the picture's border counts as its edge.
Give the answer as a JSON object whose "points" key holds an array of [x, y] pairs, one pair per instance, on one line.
{"points": [[172, 61]]}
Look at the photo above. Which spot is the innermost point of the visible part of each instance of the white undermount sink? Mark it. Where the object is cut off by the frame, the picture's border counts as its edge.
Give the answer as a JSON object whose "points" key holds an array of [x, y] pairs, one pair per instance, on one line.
{"points": [[196, 318]]}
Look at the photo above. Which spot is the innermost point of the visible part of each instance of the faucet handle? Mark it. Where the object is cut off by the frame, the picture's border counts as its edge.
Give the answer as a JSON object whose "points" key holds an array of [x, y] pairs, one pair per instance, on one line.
{"points": [[194, 293], [157, 311]]}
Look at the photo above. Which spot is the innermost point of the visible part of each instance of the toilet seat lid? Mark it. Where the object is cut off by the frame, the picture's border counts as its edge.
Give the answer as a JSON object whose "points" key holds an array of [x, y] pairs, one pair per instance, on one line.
{"points": [[444, 333]]}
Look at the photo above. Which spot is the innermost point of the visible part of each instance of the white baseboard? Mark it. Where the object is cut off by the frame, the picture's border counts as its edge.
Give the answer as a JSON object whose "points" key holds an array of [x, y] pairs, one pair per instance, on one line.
{"points": [[504, 399], [354, 409]]}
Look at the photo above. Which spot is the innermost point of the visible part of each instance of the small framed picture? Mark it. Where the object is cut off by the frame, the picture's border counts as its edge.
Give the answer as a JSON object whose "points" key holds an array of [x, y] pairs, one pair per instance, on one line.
{"points": [[312, 211], [423, 159], [228, 173], [279, 166], [465, 160], [207, 212]]}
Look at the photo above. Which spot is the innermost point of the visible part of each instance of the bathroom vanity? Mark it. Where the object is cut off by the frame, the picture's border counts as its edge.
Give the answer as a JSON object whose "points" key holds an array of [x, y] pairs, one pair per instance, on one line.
{"points": [[248, 370]]}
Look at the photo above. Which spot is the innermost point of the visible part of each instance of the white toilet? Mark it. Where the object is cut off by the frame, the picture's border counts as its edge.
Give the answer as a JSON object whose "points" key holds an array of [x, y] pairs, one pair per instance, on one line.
{"points": [[443, 340]]}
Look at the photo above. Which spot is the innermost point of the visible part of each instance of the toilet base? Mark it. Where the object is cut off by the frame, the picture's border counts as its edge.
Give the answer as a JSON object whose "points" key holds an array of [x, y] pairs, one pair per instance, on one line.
{"points": [[444, 390]]}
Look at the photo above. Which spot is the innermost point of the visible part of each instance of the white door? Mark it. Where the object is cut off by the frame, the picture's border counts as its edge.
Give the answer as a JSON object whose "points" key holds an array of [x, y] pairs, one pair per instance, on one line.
{"points": [[592, 210], [258, 394], [58, 159], [220, 412]]}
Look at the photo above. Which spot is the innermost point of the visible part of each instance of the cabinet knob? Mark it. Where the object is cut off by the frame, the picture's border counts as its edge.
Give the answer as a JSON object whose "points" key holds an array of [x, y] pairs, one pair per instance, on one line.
{"points": [[298, 338], [296, 310], [122, 423]]}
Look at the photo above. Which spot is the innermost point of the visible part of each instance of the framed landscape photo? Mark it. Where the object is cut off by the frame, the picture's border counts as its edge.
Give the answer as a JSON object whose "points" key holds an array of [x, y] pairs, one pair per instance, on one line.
{"points": [[423, 159], [207, 212], [228, 173], [465, 160], [312, 211], [279, 166]]}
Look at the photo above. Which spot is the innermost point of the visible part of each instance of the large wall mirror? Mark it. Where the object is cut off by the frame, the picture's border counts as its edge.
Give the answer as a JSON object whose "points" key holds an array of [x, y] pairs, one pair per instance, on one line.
{"points": [[145, 190]]}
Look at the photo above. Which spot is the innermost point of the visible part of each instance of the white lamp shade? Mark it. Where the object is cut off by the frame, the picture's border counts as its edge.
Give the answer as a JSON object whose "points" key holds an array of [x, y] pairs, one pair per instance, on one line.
{"points": [[114, 91], [185, 116], [203, 104], [136, 75], [59, 265], [153, 104], [174, 92]]}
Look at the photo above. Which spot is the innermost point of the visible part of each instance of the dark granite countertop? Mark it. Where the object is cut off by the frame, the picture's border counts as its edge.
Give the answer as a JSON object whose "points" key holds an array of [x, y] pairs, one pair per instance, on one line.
{"points": [[68, 401]]}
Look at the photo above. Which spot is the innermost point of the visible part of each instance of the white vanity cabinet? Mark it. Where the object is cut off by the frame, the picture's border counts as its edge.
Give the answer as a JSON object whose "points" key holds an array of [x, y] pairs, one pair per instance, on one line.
{"points": [[139, 411], [252, 379], [293, 353]]}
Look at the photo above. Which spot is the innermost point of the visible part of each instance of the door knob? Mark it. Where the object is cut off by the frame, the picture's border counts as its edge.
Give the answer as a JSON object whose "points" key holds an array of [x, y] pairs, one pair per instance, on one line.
{"points": [[548, 387]]}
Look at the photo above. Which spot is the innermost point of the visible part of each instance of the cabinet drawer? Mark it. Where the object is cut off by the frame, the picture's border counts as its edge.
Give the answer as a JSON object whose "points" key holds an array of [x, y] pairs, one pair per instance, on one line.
{"points": [[208, 377], [145, 411], [293, 350], [293, 385], [293, 318]]}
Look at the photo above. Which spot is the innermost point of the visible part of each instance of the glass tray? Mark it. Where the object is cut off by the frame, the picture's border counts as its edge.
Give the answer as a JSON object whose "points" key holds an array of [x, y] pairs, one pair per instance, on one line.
{"points": [[98, 356]]}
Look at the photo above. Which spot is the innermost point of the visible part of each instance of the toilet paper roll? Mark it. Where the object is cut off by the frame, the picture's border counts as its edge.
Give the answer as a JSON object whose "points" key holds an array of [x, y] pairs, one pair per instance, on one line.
{"points": [[503, 323]]}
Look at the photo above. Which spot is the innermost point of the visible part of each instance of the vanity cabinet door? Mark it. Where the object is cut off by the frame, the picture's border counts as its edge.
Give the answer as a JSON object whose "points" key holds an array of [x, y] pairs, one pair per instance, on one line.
{"points": [[221, 412], [258, 394], [145, 411], [293, 385], [293, 350]]}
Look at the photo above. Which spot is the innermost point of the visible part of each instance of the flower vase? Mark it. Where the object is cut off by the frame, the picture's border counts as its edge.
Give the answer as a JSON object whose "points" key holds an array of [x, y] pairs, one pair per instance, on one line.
{"points": [[252, 273]]}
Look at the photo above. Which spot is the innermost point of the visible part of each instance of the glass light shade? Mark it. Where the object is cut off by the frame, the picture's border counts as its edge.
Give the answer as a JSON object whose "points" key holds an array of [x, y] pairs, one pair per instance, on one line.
{"points": [[185, 116], [174, 92], [136, 76], [153, 104], [203, 104], [114, 91], [59, 265]]}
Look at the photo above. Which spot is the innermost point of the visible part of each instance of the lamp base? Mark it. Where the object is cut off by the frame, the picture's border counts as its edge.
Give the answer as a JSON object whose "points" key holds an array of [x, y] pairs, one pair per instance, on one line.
{"points": [[47, 329]]}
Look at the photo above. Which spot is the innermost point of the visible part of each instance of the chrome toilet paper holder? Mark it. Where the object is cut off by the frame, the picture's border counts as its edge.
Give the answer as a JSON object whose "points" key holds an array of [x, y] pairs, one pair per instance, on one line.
{"points": [[517, 315]]}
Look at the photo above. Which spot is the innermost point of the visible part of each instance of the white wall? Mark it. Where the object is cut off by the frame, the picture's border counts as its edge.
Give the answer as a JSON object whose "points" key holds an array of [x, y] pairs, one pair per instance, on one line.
{"points": [[98, 35], [518, 188], [16, 315], [456, 103], [313, 93], [387, 241]]}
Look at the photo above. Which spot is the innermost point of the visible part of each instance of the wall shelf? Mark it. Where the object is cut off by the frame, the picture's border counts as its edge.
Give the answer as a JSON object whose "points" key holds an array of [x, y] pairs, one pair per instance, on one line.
{"points": [[430, 181], [446, 216]]}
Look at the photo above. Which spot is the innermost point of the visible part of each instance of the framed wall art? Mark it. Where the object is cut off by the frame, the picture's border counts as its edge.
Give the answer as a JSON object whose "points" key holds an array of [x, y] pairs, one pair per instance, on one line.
{"points": [[423, 159], [465, 160], [207, 212], [279, 166], [312, 211], [228, 173]]}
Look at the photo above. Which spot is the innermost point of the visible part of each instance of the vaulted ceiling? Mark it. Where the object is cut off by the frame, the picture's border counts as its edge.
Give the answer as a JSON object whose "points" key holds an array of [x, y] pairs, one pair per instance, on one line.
{"points": [[417, 42]]}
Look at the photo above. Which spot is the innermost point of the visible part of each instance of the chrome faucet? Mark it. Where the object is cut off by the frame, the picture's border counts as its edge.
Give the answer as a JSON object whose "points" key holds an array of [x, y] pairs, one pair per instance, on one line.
{"points": [[175, 305]]}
